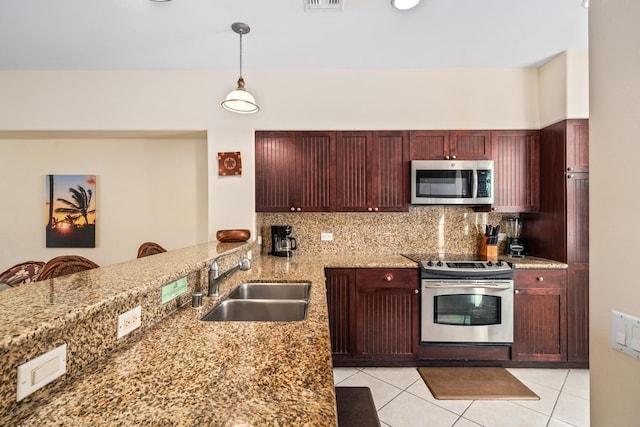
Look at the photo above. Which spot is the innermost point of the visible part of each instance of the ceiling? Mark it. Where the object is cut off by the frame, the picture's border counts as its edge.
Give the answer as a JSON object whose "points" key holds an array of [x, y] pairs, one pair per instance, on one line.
{"points": [[196, 34]]}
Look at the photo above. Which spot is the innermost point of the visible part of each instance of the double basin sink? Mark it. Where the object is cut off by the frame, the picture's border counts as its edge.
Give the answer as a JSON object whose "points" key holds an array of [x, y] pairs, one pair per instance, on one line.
{"points": [[263, 301]]}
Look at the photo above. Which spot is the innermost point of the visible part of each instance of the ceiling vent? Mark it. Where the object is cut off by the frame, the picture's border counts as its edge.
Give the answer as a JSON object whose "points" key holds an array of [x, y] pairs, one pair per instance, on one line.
{"points": [[323, 5]]}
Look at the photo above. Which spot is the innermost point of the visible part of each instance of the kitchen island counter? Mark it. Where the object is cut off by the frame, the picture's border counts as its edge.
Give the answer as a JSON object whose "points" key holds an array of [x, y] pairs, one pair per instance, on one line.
{"points": [[183, 371]]}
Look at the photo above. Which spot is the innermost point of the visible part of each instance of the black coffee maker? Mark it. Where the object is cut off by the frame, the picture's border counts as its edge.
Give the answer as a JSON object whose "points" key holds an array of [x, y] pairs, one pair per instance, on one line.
{"points": [[282, 244]]}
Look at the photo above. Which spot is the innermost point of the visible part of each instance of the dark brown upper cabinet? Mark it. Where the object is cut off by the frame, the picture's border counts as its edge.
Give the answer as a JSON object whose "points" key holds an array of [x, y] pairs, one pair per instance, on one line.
{"points": [[516, 174], [450, 145], [294, 171], [372, 171]]}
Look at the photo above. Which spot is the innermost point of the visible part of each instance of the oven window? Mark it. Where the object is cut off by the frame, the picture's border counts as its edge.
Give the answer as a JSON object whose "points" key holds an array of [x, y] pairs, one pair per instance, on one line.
{"points": [[467, 310], [444, 183]]}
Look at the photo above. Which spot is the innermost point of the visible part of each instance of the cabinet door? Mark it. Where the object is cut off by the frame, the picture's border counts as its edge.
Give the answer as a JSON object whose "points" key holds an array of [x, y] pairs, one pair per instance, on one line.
{"points": [[578, 260], [390, 179], [428, 144], [354, 187], [387, 314], [516, 156], [372, 172], [275, 171], [294, 171], [340, 296], [540, 313], [315, 175], [577, 145], [469, 145]]}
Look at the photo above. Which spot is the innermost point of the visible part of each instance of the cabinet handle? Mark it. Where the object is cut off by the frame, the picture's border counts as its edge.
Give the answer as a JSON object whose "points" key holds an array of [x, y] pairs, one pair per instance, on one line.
{"points": [[570, 176], [375, 209], [517, 291], [446, 157], [494, 209], [299, 209], [570, 169], [454, 157], [540, 279], [388, 277], [369, 209], [416, 291], [293, 209]]}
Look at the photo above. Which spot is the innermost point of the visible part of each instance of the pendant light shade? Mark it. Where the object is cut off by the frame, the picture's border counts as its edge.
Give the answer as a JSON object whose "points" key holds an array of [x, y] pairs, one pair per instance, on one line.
{"points": [[239, 100]]}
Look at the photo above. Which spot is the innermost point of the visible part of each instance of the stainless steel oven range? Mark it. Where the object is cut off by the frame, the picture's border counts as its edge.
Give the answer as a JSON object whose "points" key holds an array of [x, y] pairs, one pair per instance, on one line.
{"points": [[466, 302]]}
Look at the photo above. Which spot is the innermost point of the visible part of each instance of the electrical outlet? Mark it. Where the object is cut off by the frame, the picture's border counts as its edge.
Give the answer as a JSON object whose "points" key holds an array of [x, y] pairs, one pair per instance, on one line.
{"points": [[326, 236], [129, 321]]}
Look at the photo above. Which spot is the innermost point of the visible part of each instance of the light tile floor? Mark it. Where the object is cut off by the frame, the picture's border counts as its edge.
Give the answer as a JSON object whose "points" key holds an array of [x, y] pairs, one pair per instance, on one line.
{"points": [[403, 399]]}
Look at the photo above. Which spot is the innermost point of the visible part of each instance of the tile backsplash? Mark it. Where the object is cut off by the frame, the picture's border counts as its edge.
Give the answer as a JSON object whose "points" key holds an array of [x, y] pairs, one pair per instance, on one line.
{"points": [[433, 229]]}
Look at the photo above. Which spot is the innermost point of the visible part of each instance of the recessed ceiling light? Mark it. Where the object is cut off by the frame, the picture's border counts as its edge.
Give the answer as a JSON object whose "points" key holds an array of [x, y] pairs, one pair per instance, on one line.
{"points": [[404, 4]]}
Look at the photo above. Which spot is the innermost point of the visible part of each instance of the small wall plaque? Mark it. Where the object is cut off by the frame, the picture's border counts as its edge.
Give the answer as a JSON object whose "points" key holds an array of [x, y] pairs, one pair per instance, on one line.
{"points": [[229, 163]]}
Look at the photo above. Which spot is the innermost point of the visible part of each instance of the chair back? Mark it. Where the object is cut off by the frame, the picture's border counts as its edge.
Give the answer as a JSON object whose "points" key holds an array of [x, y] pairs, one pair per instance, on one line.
{"points": [[64, 265], [20, 274], [150, 248]]}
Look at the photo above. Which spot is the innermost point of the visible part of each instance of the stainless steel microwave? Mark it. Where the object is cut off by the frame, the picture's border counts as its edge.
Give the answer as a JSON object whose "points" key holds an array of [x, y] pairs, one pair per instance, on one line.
{"points": [[451, 182]]}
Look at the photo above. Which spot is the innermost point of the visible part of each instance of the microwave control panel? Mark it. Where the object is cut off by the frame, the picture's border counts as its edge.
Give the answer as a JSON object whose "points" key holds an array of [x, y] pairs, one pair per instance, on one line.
{"points": [[484, 183]]}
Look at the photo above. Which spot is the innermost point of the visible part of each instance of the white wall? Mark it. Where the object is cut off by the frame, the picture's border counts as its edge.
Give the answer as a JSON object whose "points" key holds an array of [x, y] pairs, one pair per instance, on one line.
{"points": [[614, 41], [290, 99], [564, 87], [147, 190]]}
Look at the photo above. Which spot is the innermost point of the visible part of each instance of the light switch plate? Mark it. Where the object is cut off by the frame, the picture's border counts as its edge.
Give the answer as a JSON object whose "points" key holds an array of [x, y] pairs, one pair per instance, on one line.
{"points": [[40, 371], [625, 334]]}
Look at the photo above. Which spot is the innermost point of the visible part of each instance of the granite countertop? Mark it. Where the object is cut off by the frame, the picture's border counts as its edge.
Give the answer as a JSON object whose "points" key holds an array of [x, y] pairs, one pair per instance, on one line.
{"points": [[183, 371]]}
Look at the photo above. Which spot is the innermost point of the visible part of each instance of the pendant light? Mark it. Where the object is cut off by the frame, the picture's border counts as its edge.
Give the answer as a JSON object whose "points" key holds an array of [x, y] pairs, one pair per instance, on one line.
{"points": [[239, 100]]}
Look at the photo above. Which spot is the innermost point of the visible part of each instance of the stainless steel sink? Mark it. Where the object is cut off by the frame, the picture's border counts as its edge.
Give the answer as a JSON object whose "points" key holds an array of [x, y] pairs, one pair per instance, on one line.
{"points": [[233, 310], [272, 290]]}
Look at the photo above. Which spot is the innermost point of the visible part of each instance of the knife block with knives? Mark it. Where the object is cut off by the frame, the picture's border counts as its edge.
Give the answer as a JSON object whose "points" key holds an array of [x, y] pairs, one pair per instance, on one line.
{"points": [[489, 243]]}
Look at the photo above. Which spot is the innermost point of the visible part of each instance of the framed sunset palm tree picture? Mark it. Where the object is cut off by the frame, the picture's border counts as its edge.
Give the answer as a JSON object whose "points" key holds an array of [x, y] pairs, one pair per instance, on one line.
{"points": [[70, 211]]}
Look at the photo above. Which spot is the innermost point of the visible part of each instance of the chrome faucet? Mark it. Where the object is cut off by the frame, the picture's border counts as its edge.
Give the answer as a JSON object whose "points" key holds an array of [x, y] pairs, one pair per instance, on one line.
{"points": [[215, 277]]}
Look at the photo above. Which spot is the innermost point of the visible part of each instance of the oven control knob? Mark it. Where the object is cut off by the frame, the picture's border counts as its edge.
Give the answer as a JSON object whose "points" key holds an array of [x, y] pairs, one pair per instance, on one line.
{"points": [[489, 263], [499, 263], [439, 264], [429, 263]]}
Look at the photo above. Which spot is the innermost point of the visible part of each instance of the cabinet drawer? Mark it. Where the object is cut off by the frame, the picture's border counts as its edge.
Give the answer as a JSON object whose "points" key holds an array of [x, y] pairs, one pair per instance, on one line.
{"points": [[386, 276], [540, 279]]}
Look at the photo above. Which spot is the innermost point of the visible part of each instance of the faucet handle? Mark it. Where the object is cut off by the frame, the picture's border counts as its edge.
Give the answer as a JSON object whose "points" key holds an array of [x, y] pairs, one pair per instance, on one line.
{"points": [[244, 264]]}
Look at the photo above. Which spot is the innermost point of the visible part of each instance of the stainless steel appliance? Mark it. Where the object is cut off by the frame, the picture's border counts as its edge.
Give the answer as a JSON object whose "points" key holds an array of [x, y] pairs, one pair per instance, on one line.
{"points": [[466, 302], [282, 244], [451, 182], [515, 247]]}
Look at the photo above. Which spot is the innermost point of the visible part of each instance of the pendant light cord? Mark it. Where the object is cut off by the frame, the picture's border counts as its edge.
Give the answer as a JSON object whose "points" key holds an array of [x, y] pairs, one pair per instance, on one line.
{"points": [[241, 54]]}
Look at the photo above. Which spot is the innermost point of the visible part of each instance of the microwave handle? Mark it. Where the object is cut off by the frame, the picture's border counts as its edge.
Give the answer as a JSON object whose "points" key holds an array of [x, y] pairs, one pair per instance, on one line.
{"points": [[474, 178]]}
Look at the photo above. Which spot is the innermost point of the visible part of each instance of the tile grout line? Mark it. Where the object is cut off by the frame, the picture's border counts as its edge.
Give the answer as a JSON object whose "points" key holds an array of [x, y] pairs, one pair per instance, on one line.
{"points": [[555, 404]]}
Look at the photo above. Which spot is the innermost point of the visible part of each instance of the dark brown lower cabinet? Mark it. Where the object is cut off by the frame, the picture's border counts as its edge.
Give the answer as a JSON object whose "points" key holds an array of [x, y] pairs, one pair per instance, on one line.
{"points": [[373, 314], [340, 283], [540, 316]]}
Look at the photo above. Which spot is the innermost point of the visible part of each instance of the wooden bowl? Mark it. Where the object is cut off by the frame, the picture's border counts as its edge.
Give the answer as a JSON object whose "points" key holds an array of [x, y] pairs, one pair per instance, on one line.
{"points": [[235, 235]]}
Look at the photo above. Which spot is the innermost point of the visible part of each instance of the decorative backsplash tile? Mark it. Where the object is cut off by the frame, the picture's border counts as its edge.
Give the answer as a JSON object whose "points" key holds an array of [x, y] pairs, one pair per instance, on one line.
{"points": [[436, 229]]}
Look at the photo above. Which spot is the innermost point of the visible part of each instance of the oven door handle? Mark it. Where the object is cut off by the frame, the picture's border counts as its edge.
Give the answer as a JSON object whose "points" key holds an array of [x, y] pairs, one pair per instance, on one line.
{"points": [[458, 286]]}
